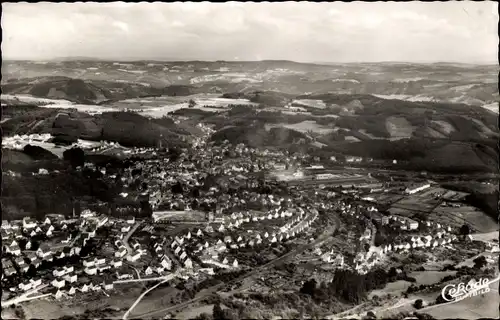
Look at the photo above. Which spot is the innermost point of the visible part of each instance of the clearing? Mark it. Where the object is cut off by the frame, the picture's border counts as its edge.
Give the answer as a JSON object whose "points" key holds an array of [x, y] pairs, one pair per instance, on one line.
{"points": [[304, 127], [399, 127]]}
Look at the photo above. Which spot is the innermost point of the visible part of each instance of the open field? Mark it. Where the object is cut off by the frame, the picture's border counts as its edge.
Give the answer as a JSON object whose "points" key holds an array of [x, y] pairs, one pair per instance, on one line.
{"points": [[399, 127], [456, 217], [303, 126], [180, 215], [312, 103], [480, 306], [430, 277], [157, 299], [194, 312], [394, 288], [415, 204]]}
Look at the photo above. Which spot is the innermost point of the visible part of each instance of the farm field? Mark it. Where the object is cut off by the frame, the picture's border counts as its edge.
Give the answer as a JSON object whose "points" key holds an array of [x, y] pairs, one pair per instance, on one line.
{"points": [[180, 215], [310, 103], [456, 217], [157, 299], [430, 277], [303, 126], [399, 127], [481, 306], [192, 313], [394, 288]]}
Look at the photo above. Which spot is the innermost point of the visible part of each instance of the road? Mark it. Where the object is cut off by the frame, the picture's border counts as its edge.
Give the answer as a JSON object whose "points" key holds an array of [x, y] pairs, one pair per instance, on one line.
{"points": [[24, 296], [125, 239], [142, 296], [209, 291]]}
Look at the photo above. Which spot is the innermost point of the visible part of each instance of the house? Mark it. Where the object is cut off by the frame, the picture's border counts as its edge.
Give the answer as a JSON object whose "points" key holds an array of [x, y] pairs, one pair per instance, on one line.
{"points": [[87, 214], [131, 220], [125, 229], [19, 261], [88, 263], [14, 250], [36, 263], [108, 285], [36, 283], [6, 225], [148, 271], [44, 251], [59, 294], [99, 261], [58, 272], [91, 270], [123, 275], [166, 263], [122, 251], [134, 257], [116, 263], [84, 288], [31, 256], [76, 249], [47, 221], [25, 286], [159, 270], [188, 264], [183, 256], [58, 283], [72, 291], [235, 263], [29, 223], [71, 278], [135, 245], [9, 271]]}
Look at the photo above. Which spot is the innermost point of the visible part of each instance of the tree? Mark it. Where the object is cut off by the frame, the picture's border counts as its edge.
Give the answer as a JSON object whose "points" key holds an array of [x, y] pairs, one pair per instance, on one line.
{"points": [[370, 315], [177, 188], [419, 304], [309, 287], [174, 154], [75, 156], [192, 103], [203, 316], [465, 230], [218, 313], [480, 262]]}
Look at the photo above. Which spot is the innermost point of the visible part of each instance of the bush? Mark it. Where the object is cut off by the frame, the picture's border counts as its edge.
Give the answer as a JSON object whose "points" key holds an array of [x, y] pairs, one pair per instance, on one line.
{"points": [[419, 304]]}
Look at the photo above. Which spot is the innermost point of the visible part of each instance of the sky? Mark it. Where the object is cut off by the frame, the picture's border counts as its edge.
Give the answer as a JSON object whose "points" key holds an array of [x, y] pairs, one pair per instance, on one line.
{"points": [[460, 31]]}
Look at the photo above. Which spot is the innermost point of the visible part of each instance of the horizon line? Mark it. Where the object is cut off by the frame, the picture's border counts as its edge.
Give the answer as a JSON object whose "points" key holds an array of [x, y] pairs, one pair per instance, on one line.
{"points": [[76, 58]]}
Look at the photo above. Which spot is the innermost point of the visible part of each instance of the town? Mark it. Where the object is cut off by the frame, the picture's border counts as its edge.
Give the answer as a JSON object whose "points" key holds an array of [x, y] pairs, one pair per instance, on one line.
{"points": [[236, 212]]}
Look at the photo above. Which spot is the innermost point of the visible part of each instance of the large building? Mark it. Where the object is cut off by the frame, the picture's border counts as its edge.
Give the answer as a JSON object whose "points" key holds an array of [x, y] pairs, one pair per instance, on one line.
{"points": [[417, 188]]}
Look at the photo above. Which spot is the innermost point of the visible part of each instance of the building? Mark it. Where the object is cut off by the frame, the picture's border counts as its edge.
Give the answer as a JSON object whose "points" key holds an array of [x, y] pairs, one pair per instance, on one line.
{"points": [[417, 188], [58, 283]]}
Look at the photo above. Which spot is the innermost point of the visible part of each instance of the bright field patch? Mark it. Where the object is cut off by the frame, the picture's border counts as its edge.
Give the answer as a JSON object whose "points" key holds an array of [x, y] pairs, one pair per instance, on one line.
{"points": [[456, 217], [399, 127]]}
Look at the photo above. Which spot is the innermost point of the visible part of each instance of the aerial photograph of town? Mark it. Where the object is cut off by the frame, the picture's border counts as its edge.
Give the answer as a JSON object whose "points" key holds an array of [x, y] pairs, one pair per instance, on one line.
{"points": [[291, 160]]}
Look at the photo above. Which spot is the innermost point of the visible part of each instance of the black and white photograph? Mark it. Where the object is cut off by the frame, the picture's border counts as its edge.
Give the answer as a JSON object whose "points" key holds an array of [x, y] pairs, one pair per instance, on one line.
{"points": [[250, 160]]}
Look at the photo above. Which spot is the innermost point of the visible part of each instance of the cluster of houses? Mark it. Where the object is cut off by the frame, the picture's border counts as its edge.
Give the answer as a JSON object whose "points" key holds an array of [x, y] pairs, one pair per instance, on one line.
{"points": [[93, 273], [210, 254]]}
